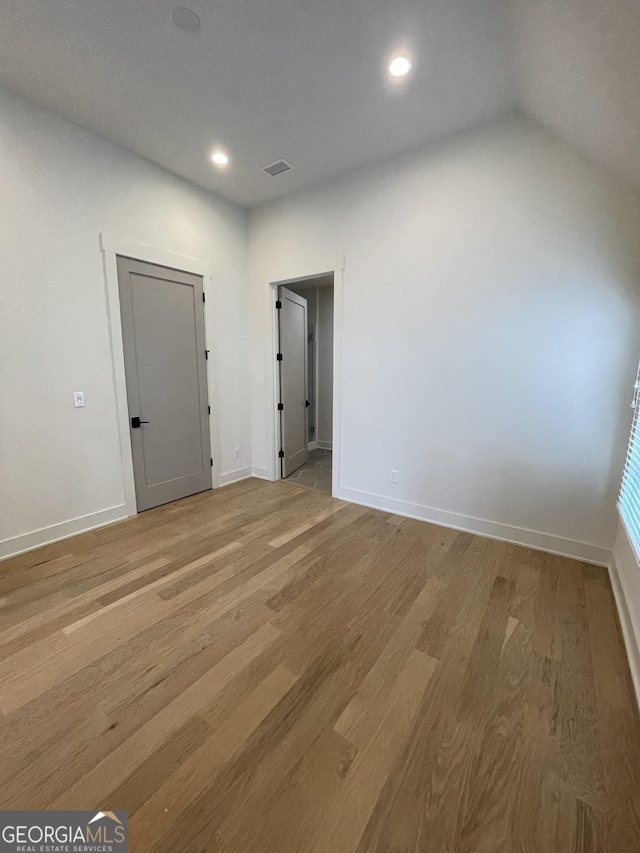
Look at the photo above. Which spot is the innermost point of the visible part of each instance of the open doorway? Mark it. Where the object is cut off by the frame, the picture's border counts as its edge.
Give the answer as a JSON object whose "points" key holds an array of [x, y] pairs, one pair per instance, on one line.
{"points": [[305, 381]]}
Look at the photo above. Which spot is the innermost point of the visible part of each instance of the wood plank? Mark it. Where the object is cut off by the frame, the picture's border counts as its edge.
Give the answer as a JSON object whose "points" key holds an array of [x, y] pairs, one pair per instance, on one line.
{"points": [[365, 779], [263, 667], [123, 760], [179, 788]]}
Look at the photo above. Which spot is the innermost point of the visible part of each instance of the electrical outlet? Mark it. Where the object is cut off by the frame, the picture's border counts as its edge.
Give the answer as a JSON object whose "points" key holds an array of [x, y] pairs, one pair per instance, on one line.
{"points": [[394, 476], [78, 399], [236, 452]]}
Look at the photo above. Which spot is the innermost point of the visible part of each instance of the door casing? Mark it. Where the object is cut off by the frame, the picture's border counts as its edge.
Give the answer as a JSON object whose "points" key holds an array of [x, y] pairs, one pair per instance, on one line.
{"points": [[271, 294]]}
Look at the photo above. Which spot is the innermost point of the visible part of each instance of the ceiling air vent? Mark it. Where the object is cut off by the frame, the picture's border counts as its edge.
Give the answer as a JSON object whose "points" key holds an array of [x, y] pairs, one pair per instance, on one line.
{"points": [[276, 168]]}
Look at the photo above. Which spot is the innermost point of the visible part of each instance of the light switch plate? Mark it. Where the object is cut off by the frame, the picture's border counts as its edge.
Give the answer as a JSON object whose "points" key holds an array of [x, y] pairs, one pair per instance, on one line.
{"points": [[78, 399]]}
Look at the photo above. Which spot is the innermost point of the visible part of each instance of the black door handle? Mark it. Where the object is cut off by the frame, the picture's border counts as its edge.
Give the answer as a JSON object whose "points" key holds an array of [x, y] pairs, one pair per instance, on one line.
{"points": [[307, 404], [135, 423]]}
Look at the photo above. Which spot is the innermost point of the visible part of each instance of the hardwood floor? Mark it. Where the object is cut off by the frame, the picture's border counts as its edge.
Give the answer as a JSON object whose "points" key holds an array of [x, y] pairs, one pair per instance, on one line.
{"points": [[264, 668]]}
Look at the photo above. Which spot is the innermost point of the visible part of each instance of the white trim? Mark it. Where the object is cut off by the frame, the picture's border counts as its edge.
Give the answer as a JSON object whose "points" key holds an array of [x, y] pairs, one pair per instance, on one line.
{"points": [[493, 530], [625, 582], [626, 623], [111, 246], [274, 466], [325, 445], [235, 476], [338, 311], [312, 445], [62, 530], [119, 382], [260, 472], [116, 244], [272, 374]]}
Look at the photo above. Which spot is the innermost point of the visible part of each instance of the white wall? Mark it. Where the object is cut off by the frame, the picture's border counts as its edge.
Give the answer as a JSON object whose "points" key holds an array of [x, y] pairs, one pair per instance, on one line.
{"points": [[490, 319], [490, 309], [60, 187], [325, 367]]}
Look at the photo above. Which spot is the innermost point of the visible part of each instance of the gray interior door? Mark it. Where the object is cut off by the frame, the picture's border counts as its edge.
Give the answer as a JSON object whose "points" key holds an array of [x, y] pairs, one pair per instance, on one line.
{"points": [[292, 325], [165, 367]]}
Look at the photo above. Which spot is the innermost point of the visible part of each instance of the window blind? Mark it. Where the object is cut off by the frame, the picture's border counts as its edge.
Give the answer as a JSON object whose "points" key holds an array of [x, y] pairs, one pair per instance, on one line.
{"points": [[629, 501]]}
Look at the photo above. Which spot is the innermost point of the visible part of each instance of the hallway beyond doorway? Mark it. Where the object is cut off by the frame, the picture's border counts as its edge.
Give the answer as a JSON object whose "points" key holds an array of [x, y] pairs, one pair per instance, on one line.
{"points": [[316, 473]]}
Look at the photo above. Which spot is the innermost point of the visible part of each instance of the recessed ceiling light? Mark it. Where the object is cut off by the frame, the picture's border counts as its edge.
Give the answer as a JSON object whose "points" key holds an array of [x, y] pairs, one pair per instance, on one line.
{"points": [[400, 66], [220, 158], [186, 19]]}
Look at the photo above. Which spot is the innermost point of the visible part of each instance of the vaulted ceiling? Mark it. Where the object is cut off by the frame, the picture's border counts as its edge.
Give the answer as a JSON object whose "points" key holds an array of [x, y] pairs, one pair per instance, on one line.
{"points": [[305, 80], [577, 69]]}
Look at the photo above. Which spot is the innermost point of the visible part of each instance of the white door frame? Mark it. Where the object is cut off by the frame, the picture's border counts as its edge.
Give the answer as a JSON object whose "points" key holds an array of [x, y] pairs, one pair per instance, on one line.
{"points": [[112, 245], [272, 292]]}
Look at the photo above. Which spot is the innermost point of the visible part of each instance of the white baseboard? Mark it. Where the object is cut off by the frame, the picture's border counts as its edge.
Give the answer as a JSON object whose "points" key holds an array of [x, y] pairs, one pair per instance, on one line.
{"points": [[260, 472], [235, 476], [312, 445], [493, 530], [47, 535], [324, 445], [624, 585]]}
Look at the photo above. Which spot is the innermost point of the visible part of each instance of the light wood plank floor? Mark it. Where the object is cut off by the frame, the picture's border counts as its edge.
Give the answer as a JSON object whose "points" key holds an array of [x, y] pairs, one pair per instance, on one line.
{"points": [[264, 668]]}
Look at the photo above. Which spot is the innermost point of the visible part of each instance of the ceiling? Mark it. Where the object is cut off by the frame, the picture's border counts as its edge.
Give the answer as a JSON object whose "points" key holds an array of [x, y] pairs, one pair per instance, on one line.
{"points": [[303, 80], [577, 69], [325, 280]]}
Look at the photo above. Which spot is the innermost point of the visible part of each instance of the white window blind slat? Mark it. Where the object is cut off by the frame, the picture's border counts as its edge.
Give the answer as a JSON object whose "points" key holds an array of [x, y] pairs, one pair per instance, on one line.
{"points": [[629, 500]]}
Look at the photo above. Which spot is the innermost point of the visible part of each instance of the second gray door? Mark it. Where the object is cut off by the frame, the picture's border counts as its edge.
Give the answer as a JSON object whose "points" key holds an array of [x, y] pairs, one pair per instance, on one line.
{"points": [[165, 366], [292, 324]]}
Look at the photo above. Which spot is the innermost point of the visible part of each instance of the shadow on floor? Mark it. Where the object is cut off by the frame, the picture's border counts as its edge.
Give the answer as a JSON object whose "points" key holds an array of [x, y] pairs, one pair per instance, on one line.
{"points": [[316, 473]]}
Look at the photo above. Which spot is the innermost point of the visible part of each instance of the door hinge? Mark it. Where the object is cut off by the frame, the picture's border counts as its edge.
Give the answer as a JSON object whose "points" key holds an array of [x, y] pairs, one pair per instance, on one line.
{"points": [[278, 304], [281, 454], [209, 409], [204, 298], [281, 407], [211, 462], [279, 357], [206, 355]]}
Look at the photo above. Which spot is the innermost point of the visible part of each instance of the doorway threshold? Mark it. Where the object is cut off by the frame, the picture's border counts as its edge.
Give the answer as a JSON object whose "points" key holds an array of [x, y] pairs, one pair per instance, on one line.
{"points": [[316, 473]]}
